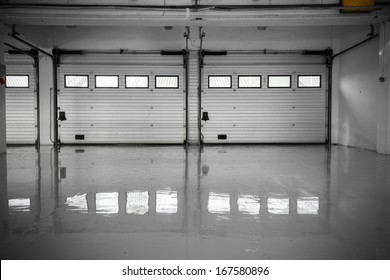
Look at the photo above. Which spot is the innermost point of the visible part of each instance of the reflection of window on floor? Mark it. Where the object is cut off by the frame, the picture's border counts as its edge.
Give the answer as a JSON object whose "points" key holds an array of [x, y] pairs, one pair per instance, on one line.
{"points": [[308, 205], [77, 203], [107, 203], [137, 202], [278, 206], [219, 203], [248, 204], [166, 202], [19, 204]]}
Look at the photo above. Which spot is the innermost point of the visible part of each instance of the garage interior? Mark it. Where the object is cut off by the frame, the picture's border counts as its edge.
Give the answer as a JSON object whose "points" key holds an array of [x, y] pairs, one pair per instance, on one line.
{"points": [[210, 129]]}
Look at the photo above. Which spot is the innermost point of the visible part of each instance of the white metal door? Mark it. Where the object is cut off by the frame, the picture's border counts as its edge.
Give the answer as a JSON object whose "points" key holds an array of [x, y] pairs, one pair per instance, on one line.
{"points": [[21, 113], [122, 115], [263, 114]]}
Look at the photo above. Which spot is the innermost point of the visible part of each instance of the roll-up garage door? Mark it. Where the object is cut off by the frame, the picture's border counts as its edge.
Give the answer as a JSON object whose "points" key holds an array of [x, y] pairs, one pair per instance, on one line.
{"points": [[264, 99], [121, 98], [21, 113]]}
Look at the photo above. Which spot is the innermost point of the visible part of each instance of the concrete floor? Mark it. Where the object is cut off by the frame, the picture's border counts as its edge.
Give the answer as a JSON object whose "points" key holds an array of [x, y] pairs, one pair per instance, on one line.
{"points": [[166, 202]]}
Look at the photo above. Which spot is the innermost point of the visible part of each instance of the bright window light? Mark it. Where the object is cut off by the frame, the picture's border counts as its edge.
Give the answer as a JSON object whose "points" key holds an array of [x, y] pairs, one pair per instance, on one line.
{"points": [[107, 203], [279, 81], [167, 82], [278, 206], [219, 203], [77, 203], [308, 205], [137, 81], [309, 81], [166, 202], [249, 81], [137, 202], [248, 204], [19, 204], [107, 81], [17, 81], [76, 81], [220, 81]]}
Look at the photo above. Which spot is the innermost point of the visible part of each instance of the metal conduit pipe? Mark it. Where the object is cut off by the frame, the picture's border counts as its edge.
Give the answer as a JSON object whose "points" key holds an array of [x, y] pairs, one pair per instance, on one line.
{"points": [[195, 7]]}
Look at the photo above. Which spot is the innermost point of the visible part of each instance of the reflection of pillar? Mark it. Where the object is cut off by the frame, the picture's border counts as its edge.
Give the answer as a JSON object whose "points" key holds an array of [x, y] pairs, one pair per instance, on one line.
{"points": [[3, 194], [46, 181], [233, 204], [122, 202], [293, 205], [37, 203], [263, 205], [152, 202], [91, 202]]}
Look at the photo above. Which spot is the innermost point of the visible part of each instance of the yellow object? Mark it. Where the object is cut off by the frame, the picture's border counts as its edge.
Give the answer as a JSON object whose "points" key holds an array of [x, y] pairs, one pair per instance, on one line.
{"points": [[357, 3]]}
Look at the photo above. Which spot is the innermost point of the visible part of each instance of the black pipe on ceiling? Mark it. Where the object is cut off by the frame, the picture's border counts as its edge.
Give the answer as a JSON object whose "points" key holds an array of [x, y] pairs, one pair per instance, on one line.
{"points": [[195, 7]]}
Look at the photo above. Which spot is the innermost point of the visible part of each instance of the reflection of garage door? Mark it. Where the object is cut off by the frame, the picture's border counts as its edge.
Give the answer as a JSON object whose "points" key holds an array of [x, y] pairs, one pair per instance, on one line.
{"points": [[265, 99], [21, 111], [115, 98]]}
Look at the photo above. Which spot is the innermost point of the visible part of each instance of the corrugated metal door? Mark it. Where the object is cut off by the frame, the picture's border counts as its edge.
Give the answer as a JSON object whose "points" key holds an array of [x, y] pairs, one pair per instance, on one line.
{"points": [[21, 114], [265, 115], [122, 115]]}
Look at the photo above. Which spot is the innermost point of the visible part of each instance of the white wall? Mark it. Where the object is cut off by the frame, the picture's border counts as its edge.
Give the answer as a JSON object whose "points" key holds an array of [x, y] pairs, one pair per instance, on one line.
{"points": [[355, 89], [360, 107], [3, 138]]}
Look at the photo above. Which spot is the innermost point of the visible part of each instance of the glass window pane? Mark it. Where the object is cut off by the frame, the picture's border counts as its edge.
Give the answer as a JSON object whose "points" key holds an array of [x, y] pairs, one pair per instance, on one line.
{"points": [[308, 205], [278, 206], [167, 82], [309, 81], [279, 81], [137, 81], [137, 202], [107, 81], [220, 81], [107, 203], [14, 81], [76, 81], [249, 81], [219, 203], [166, 202]]}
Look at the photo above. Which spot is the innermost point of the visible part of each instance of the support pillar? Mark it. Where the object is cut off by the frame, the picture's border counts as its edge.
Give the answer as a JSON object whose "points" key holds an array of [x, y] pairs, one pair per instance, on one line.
{"points": [[3, 136], [45, 101]]}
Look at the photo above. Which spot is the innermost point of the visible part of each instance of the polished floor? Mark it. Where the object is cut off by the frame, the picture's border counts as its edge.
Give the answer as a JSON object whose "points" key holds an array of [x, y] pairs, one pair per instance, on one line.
{"points": [[220, 202]]}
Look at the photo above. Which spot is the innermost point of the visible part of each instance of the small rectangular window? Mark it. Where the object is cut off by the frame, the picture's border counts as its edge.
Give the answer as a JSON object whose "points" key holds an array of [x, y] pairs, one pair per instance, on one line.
{"points": [[17, 81], [220, 81], [76, 81], [137, 81], [279, 81], [110, 81], [309, 81], [249, 81], [167, 81]]}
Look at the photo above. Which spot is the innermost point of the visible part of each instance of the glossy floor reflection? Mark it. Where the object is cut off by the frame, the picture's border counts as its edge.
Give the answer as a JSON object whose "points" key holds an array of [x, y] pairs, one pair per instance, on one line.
{"points": [[168, 202]]}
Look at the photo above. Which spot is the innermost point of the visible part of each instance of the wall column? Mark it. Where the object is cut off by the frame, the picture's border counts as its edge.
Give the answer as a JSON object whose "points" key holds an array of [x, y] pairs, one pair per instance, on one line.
{"points": [[383, 110], [45, 89], [3, 137]]}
